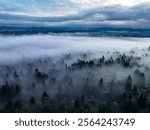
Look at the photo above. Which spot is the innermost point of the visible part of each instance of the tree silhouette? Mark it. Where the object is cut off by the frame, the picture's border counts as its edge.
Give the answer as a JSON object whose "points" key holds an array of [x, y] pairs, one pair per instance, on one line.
{"points": [[18, 105], [46, 102], [10, 108], [18, 89], [135, 91], [32, 101], [142, 101], [128, 86]]}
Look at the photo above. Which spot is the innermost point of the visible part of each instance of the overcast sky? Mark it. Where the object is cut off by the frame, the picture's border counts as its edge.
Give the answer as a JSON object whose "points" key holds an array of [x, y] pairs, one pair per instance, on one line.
{"points": [[122, 13]]}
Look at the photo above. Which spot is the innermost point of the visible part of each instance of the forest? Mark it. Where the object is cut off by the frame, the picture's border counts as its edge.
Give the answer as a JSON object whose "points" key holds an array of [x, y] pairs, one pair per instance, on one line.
{"points": [[86, 82]]}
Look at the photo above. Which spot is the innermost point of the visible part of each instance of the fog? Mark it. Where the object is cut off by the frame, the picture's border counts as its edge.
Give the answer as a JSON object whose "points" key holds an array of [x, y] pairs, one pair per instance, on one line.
{"points": [[14, 48], [64, 73]]}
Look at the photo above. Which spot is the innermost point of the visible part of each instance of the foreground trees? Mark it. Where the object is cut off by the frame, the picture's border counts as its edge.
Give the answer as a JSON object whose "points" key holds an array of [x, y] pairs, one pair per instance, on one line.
{"points": [[84, 85], [46, 103]]}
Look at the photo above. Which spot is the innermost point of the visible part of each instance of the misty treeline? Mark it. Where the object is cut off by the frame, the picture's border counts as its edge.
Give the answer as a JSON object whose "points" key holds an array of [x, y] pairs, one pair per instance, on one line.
{"points": [[115, 83]]}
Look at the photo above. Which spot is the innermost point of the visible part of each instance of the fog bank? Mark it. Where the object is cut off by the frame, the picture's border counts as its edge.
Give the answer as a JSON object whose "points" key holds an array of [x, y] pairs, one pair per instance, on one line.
{"points": [[14, 48]]}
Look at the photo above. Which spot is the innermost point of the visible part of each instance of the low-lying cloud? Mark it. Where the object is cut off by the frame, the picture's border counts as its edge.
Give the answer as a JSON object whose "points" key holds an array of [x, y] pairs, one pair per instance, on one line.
{"points": [[14, 48]]}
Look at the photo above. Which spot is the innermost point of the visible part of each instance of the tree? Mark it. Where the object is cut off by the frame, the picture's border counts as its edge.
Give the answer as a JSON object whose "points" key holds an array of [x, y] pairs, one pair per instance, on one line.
{"points": [[100, 82], [10, 107], [82, 99], [124, 95], [18, 89], [103, 109], [46, 102], [77, 104], [86, 109], [33, 85], [128, 84], [32, 101], [15, 74], [6, 89], [129, 106], [135, 91], [18, 105], [142, 101]]}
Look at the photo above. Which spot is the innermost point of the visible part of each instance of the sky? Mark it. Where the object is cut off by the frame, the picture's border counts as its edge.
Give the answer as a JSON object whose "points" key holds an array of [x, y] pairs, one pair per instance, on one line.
{"points": [[101, 13]]}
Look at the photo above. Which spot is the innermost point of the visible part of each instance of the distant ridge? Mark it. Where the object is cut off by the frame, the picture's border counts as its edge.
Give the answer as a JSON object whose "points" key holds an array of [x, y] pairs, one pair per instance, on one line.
{"points": [[92, 31]]}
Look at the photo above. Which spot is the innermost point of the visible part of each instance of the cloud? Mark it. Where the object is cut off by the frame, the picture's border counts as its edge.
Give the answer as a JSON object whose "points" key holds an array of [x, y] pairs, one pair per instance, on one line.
{"points": [[58, 7], [75, 12], [38, 7]]}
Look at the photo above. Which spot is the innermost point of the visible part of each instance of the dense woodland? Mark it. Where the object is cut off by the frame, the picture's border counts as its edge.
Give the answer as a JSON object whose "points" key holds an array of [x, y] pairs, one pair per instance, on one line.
{"points": [[118, 82]]}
